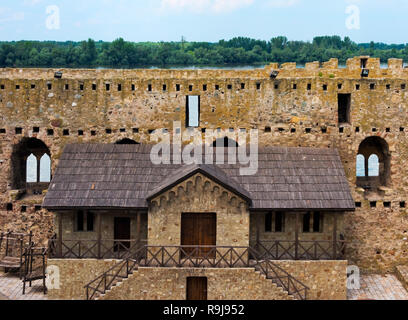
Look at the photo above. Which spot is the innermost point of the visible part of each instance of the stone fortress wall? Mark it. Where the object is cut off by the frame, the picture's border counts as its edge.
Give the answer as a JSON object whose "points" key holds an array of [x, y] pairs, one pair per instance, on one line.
{"points": [[297, 108]]}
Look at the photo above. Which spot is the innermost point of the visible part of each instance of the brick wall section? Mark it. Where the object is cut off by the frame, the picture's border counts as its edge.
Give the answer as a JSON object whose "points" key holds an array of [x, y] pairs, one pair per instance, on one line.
{"points": [[327, 280], [378, 234]]}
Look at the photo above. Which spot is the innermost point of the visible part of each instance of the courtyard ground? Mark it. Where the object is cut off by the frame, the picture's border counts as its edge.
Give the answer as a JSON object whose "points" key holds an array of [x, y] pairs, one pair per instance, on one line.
{"points": [[373, 287]]}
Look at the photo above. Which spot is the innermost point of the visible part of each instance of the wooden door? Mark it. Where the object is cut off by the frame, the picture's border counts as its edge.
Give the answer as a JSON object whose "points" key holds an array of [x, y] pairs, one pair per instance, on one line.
{"points": [[122, 232], [199, 229], [197, 288]]}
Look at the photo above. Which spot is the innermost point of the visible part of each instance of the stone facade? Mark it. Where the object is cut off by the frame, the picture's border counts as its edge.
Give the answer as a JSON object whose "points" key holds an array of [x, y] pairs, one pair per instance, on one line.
{"points": [[326, 279], [198, 194], [74, 275], [298, 108]]}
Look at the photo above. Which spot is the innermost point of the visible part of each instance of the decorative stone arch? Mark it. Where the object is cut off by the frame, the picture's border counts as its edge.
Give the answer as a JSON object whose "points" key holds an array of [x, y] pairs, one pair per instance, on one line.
{"points": [[379, 147], [126, 141], [226, 143], [24, 151]]}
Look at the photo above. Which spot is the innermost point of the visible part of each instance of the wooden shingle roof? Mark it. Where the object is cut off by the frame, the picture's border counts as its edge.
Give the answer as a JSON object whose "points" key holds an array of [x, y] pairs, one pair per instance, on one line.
{"points": [[123, 176]]}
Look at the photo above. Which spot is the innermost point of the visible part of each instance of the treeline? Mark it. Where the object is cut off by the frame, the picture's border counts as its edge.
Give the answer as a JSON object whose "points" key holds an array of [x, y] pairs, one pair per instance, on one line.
{"points": [[238, 51]]}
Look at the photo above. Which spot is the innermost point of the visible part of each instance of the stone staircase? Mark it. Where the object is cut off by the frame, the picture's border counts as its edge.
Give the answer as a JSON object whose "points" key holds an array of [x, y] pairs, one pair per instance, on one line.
{"points": [[129, 288]]}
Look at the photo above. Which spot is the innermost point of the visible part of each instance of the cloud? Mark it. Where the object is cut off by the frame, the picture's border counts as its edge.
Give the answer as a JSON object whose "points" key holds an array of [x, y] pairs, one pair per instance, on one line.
{"points": [[282, 3], [201, 6], [6, 15], [31, 2]]}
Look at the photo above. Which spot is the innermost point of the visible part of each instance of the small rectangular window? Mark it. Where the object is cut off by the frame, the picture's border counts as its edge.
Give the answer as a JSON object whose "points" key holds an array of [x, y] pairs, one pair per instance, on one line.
{"points": [[204, 87], [309, 86], [49, 86], [107, 87], [133, 87], [258, 86], [149, 87], [344, 104], [279, 221], [80, 221], [306, 222], [268, 222], [193, 111], [363, 63], [89, 221], [177, 87], [316, 222], [164, 87], [94, 86], [81, 87], [66, 87], [2, 86], [119, 87]]}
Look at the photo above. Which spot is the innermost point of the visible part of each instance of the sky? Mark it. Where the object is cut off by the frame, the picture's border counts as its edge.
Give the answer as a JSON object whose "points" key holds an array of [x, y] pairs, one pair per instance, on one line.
{"points": [[203, 20]]}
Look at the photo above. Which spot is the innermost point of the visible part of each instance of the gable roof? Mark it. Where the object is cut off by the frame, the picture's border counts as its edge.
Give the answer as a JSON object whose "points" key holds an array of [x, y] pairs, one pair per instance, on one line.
{"points": [[187, 171], [123, 176]]}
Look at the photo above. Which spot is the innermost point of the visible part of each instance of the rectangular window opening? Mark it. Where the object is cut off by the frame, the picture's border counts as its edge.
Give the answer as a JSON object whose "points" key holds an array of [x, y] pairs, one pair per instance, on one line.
{"points": [[193, 111], [306, 222], [89, 221], [268, 222], [317, 222], [279, 221], [363, 63], [80, 221], [344, 105]]}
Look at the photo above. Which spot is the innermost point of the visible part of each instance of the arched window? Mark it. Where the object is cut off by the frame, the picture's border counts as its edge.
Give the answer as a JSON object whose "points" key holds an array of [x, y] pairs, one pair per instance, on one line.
{"points": [[127, 141], [360, 166], [226, 143], [31, 168], [45, 168], [377, 164], [373, 166]]}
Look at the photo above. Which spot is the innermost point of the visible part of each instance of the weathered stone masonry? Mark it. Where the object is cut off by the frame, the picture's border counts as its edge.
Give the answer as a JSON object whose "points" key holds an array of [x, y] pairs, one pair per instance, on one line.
{"points": [[298, 108]]}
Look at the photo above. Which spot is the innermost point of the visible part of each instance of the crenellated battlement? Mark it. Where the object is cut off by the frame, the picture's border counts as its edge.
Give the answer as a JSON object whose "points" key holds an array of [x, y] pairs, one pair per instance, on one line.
{"points": [[330, 68]]}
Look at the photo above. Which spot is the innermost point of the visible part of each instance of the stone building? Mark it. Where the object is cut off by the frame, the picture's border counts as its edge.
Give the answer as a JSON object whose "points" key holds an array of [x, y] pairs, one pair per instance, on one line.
{"points": [[329, 189]]}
